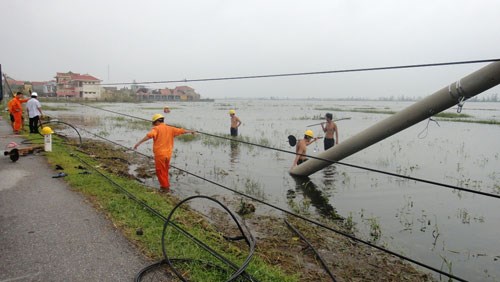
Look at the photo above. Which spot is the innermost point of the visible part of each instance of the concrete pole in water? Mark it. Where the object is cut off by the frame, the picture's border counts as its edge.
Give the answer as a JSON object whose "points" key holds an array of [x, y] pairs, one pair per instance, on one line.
{"points": [[456, 93]]}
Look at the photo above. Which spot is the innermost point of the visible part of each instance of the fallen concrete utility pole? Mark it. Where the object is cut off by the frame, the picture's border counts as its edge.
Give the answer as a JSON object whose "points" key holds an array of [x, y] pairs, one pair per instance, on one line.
{"points": [[456, 93]]}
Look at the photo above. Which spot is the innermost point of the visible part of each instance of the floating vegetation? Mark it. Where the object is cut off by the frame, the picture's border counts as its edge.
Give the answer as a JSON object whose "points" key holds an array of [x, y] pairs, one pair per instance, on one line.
{"points": [[212, 141], [375, 230], [103, 133], [314, 117], [358, 110], [496, 189], [443, 116], [186, 137], [463, 215], [117, 118], [480, 121], [349, 224], [245, 208], [452, 115], [54, 108], [254, 188], [133, 124], [449, 265], [158, 108]]}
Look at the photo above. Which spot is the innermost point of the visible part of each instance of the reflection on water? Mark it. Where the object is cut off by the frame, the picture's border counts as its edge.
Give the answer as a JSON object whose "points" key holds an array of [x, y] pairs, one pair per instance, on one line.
{"points": [[235, 153], [318, 199], [329, 173]]}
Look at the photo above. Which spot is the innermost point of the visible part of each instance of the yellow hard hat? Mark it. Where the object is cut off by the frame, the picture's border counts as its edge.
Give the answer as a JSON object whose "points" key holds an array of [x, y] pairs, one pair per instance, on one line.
{"points": [[47, 130], [156, 117], [232, 112], [309, 133]]}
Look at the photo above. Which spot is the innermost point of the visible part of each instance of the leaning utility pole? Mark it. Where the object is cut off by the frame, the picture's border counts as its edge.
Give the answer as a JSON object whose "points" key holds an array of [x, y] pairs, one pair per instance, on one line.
{"points": [[1, 84], [456, 93]]}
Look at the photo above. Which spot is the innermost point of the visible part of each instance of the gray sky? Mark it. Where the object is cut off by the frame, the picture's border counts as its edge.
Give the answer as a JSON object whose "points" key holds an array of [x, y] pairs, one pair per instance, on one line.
{"points": [[155, 40]]}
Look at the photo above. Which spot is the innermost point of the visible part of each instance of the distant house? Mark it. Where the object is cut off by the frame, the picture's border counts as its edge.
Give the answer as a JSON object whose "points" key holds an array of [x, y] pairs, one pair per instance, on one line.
{"points": [[45, 88], [179, 93], [186, 93], [16, 85], [78, 85]]}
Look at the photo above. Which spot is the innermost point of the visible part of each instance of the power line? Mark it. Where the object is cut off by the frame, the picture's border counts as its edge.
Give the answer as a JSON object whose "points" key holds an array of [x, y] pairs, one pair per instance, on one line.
{"points": [[307, 73], [317, 223], [328, 161]]}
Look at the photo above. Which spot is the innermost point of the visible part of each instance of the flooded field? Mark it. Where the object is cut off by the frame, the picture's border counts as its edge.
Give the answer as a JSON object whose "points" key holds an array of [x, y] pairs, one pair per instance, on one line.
{"points": [[447, 229]]}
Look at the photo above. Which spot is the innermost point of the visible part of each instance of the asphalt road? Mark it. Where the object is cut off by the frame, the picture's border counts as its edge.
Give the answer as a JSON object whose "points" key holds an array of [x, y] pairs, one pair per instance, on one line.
{"points": [[49, 233]]}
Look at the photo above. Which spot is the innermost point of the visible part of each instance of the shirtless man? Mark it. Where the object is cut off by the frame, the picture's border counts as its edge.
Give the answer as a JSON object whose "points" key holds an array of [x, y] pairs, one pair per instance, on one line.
{"points": [[235, 123], [329, 127], [301, 148]]}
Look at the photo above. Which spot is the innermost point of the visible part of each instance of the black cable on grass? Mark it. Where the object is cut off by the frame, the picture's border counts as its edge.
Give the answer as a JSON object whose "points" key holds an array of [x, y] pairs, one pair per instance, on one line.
{"points": [[328, 161], [308, 73], [158, 270], [301, 217], [323, 263], [250, 242], [65, 123]]}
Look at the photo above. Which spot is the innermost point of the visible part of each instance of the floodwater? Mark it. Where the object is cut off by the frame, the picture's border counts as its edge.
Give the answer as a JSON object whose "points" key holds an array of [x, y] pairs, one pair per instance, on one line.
{"points": [[450, 230]]}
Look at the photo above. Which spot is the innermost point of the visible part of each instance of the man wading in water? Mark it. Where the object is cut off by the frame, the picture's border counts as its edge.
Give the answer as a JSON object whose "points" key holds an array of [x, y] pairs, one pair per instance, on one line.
{"points": [[301, 148], [329, 128], [163, 145], [235, 123]]}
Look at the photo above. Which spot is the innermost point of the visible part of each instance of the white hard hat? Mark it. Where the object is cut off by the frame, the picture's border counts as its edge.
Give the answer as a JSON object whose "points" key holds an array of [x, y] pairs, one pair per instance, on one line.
{"points": [[34, 94]]}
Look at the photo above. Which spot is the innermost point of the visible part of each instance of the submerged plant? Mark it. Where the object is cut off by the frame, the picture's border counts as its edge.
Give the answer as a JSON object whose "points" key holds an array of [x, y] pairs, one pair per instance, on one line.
{"points": [[375, 230]]}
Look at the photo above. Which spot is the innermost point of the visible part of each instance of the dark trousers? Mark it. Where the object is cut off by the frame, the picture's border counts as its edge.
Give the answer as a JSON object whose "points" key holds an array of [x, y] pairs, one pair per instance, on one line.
{"points": [[234, 131], [34, 124], [328, 143]]}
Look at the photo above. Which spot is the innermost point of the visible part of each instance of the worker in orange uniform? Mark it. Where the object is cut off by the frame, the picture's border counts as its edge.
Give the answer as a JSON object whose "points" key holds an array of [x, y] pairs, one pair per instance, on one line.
{"points": [[163, 145], [9, 106], [16, 109]]}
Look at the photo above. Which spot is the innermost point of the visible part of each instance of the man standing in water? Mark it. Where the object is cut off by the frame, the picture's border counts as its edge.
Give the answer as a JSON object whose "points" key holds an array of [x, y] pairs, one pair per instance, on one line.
{"points": [[166, 109], [329, 128], [163, 144], [235, 123], [301, 148]]}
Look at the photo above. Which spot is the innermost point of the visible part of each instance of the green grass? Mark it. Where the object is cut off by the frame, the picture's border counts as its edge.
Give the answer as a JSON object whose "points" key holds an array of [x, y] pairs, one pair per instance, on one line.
{"points": [[128, 216], [444, 116], [452, 115], [357, 110], [492, 122]]}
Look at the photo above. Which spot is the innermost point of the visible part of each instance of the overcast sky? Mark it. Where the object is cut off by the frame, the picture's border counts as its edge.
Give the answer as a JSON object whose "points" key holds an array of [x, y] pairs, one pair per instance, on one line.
{"points": [[158, 40]]}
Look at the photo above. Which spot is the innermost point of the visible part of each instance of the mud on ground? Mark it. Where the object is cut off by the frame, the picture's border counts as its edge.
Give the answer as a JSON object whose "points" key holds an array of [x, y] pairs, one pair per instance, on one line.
{"points": [[346, 259], [276, 243]]}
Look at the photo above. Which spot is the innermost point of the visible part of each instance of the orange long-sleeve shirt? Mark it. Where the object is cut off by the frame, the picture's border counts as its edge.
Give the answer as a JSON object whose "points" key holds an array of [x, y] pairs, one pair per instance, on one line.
{"points": [[163, 139], [15, 105]]}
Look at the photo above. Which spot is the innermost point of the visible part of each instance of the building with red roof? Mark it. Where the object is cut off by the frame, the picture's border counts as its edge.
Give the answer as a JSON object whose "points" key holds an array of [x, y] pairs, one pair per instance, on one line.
{"points": [[179, 93], [77, 85]]}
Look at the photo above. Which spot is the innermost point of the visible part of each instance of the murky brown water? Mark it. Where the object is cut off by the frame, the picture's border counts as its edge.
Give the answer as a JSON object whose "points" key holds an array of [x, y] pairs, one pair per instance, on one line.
{"points": [[449, 230]]}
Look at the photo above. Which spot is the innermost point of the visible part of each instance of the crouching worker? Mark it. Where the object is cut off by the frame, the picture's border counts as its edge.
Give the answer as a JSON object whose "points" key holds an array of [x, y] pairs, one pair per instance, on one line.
{"points": [[163, 144], [301, 148]]}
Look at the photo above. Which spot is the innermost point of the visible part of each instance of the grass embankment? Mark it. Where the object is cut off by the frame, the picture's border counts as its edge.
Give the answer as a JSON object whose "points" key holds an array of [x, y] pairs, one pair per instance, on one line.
{"points": [[128, 216]]}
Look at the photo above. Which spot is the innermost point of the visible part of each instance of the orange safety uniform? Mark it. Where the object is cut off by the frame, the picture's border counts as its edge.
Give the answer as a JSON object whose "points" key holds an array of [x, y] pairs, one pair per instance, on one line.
{"points": [[163, 144], [16, 109], [9, 106]]}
